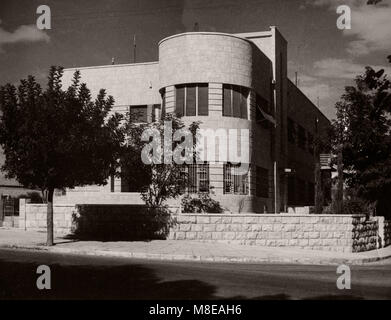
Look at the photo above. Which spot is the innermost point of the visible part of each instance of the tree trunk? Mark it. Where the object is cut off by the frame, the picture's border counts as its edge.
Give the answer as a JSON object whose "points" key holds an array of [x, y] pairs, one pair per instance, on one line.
{"points": [[339, 196], [49, 223]]}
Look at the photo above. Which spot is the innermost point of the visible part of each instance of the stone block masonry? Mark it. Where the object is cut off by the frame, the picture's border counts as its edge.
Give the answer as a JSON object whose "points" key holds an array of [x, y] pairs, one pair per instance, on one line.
{"points": [[343, 233]]}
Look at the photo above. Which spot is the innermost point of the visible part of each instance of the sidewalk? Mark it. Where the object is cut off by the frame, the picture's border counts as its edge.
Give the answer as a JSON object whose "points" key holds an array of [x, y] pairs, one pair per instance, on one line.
{"points": [[186, 250]]}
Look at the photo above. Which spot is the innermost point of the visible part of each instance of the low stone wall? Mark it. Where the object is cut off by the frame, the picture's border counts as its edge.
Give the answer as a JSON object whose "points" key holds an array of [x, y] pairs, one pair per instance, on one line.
{"points": [[321, 232], [33, 217], [346, 233]]}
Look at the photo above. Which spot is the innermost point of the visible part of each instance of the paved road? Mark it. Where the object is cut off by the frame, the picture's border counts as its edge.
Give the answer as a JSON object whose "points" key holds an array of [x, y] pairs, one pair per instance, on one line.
{"points": [[81, 277]]}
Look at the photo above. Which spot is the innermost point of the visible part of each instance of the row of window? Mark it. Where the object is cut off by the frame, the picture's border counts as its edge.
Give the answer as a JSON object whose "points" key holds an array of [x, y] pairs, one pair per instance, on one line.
{"points": [[234, 182], [193, 100], [299, 136], [198, 181]]}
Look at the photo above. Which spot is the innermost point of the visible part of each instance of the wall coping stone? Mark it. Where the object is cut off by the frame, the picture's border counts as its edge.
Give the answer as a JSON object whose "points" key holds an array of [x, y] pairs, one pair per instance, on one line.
{"points": [[204, 33], [270, 215]]}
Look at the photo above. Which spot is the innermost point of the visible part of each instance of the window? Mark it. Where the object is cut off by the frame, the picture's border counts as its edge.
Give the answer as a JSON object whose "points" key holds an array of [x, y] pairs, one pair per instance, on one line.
{"points": [[235, 182], [291, 131], [197, 176], [191, 99], [301, 137], [138, 113], [235, 101], [262, 182]]}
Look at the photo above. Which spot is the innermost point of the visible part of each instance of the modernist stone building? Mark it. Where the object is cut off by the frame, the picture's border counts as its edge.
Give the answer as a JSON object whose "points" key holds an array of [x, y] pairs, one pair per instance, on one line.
{"points": [[230, 81]]}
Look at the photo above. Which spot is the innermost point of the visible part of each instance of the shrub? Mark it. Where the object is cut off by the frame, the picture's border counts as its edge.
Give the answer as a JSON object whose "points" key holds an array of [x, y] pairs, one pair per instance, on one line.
{"points": [[350, 206], [201, 203]]}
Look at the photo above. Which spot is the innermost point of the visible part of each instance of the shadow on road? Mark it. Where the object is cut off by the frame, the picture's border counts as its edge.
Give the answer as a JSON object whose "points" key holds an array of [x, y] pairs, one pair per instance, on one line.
{"points": [[18, 281], [91, 278]]}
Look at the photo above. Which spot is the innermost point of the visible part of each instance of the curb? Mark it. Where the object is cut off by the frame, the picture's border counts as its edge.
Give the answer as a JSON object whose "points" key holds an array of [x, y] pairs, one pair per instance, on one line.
{"points": [[198, 258]]}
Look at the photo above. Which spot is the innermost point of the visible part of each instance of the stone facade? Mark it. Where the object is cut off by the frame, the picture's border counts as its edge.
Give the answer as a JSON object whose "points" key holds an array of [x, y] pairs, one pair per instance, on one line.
{"points": [[345, 233], [256, 62]]}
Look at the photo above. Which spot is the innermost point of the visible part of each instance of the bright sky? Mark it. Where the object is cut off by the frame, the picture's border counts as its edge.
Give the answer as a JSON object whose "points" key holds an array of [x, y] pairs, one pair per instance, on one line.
{"points": [[91, 32]]}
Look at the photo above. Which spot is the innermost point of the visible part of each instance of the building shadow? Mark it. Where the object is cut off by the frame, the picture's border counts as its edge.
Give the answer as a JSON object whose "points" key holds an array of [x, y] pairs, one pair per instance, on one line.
{"points": [[120, 223], [134, 282]]}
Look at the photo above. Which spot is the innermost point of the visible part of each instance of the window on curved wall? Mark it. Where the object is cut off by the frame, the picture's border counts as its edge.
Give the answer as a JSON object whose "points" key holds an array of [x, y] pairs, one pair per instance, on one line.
{"points": [[235, 101], [191, 99]]}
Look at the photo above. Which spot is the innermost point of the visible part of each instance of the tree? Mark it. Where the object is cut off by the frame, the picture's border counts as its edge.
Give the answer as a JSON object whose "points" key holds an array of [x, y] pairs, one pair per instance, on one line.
{"points": [[157, 180], [55, 139], [362, 131]]}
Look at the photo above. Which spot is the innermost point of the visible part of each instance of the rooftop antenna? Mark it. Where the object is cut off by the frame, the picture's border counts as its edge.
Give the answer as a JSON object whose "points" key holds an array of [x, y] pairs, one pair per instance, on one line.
{"points": [[134, 48]]}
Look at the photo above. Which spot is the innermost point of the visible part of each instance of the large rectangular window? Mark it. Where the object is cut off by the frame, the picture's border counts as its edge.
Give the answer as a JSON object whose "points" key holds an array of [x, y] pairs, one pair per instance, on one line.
{"points": [[191, 99], [235, 101], [262, 182], [235, 182]]}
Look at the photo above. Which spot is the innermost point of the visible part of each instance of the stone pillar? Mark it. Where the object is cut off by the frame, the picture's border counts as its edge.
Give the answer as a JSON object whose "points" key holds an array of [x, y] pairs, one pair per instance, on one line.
{"points": [[22, 213]]}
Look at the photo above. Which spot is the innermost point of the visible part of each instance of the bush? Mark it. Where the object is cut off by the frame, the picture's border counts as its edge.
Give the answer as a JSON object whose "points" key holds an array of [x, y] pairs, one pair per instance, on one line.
{"points": [[201, 203], [350, 206]]}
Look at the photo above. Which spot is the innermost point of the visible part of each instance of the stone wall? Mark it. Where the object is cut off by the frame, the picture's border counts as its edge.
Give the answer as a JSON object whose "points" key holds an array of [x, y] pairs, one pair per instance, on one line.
{"points": [[345, 233], [320, 232], [33, 217]]}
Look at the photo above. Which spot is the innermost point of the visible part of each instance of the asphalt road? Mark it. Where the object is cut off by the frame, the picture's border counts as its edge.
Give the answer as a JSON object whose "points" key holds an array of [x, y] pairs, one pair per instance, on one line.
{"points": [[87, 277]]}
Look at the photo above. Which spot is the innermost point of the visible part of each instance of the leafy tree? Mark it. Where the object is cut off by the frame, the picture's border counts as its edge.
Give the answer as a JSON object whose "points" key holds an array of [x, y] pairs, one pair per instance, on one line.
{"points": [[57, 138], [157, 181], [362, 132]]}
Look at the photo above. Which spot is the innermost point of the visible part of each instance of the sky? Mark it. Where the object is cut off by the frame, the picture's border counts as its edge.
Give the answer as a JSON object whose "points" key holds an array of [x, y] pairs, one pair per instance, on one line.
{"points": [[92, 32]]}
